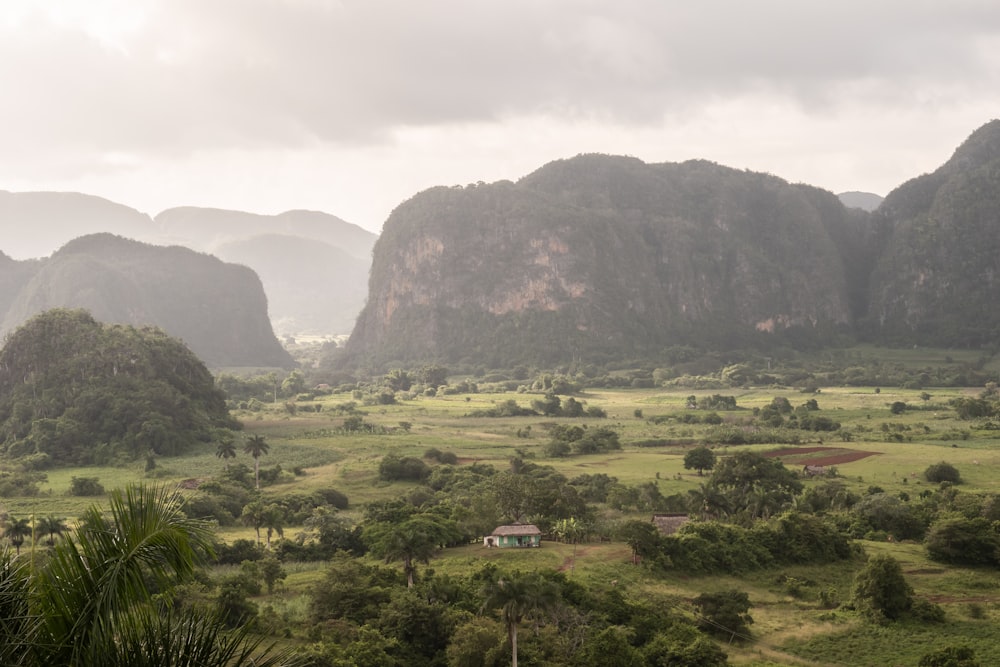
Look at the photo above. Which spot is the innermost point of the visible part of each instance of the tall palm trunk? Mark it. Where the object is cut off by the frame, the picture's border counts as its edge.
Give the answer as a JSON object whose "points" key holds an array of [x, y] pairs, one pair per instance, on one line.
{"points": [[512, 635]]}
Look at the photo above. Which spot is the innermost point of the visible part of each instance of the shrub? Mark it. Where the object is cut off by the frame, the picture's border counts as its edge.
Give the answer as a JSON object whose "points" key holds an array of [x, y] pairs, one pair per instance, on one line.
{"points": [[393, 468], [942, 472], [85, 486], [950, 656], [881, 591], [725, 614], [334, 497], [962, 541]]}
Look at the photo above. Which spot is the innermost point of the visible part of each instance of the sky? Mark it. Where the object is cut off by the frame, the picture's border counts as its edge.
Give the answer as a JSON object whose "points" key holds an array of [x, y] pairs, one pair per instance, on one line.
{"points": [[353, 106]]}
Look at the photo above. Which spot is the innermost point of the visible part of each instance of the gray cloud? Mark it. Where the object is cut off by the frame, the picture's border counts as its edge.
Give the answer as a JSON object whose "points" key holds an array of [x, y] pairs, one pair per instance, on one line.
{"points": [[351, 106], [230, 73]]}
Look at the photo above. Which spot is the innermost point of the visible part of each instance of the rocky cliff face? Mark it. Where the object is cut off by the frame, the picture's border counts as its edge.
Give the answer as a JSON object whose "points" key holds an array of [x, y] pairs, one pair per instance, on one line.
{"points": [[219, 310], [937, 280], [603, 257]]}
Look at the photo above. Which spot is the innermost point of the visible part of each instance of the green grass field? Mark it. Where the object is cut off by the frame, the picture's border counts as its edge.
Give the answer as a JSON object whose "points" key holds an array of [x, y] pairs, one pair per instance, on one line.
{"points": [[791, 626]]}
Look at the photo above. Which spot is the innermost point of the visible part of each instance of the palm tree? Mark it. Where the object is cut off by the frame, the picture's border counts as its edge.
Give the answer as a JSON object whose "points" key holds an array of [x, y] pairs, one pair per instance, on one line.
{"points": [[253, 515], [17, 626], [52, 527], [571, 530], [16, 531], [274, 520], [256, 447], [516, 597], [226, 450], [93, 599]]}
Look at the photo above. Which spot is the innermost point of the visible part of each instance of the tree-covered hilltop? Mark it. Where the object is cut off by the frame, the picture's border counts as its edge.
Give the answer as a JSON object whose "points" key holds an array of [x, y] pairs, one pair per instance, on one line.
{"points": [[74, 391]]}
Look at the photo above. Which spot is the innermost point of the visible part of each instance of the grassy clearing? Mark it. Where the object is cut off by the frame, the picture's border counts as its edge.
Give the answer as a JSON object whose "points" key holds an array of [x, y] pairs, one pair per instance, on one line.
{"points": [[792, 623]]}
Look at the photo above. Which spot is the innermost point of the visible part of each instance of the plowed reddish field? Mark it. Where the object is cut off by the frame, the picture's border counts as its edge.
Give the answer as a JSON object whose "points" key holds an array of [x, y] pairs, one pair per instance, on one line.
{"points": [[820, 456]]}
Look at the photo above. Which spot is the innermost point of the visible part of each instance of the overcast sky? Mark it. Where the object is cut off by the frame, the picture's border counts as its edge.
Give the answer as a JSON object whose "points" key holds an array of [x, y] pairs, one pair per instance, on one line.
{"points": [[353, 106]]}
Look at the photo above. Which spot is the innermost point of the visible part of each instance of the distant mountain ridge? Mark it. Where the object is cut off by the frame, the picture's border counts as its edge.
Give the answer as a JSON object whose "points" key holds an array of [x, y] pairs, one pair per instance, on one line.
{"points": [[604, 257], [866, 201], [36, 224], [219, 310]]}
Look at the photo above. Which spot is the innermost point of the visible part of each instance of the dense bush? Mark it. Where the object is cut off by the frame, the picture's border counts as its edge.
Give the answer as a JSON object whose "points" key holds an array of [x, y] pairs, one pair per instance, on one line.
{"points": [[85, 486], [709, 546], [409, 468], [963, 541], [942, 472], [725, 614], [881, 591]]}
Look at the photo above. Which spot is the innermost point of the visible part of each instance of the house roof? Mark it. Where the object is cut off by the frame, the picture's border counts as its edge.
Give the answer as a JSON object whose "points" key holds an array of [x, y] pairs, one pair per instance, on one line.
{"points": [[517, 529]]}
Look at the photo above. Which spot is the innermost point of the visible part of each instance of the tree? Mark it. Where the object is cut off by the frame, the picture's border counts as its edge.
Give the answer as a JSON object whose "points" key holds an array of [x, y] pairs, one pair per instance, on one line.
{"points": [[679, 647], [52, 527], [511, 492], [642, 537], [294, 384], [962, 541], [226, 449], [517, 596], [756, 484], [256, 447], [273, 518], [475, 643], [413, 541], [16, 530], [253, 514], [725, 614], [271, 571], [572, 531], [700, 459], [880, 589], [93, 601]]}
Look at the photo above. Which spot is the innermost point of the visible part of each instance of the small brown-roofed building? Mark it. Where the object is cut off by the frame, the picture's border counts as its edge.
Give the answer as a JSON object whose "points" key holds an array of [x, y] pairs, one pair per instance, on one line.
{"points": [[668, 524], [514, 535]]}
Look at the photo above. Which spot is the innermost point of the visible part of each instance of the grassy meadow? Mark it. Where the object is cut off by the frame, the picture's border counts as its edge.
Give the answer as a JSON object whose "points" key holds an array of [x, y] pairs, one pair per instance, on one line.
{"points": [[791, 625]]}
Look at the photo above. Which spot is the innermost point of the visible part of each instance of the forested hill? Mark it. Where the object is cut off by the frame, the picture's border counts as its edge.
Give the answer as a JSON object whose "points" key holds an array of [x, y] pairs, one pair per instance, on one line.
{"points": [[74, 391], [219, 310], [601, 257]]}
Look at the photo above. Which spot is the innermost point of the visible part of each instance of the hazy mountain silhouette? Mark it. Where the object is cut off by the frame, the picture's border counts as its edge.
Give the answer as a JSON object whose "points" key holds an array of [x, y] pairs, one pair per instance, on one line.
{"points": [[319, 290], [866, 201], [36, 224], [218, 309], [310, 285]]}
